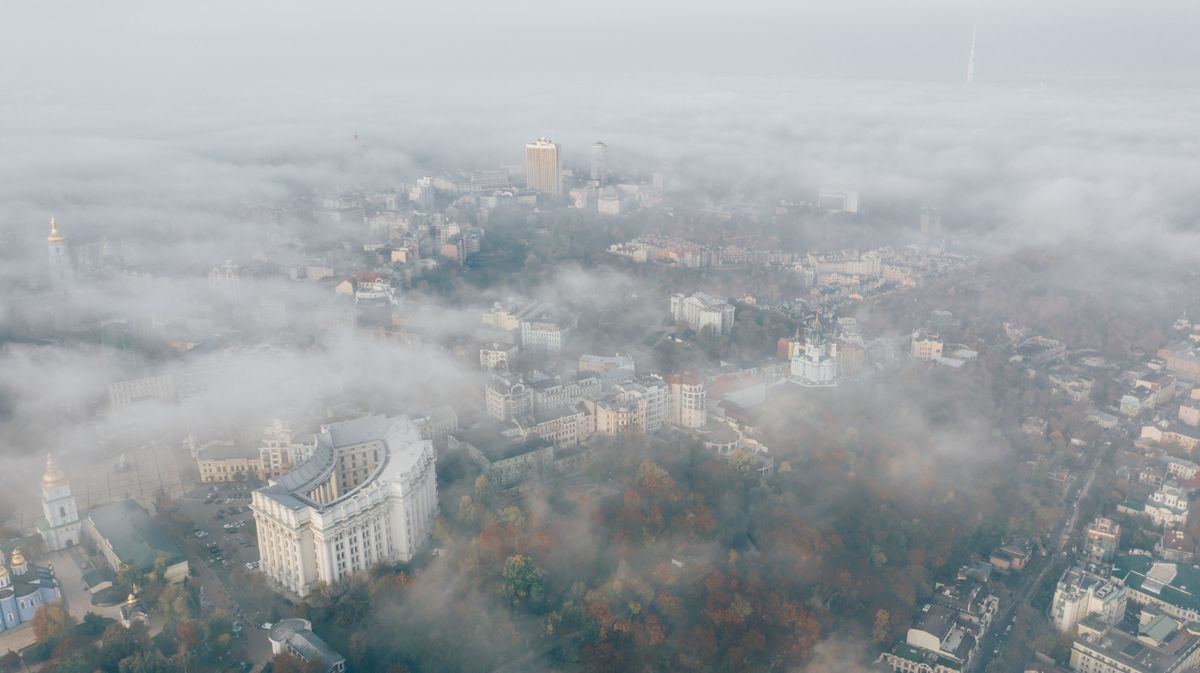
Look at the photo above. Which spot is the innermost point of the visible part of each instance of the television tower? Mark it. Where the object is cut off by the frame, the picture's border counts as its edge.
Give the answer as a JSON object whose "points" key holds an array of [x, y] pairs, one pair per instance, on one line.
{"points": [[971, 58]]}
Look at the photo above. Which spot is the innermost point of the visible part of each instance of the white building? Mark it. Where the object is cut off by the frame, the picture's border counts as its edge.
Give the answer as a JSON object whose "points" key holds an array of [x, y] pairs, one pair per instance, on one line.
{"points": [[702, 310], [599, 161], [1168, 506], [507, 397], [1080, 594], [542, 336], [225, 281], [60, 528], [367, 495], [838, 201], [62, 272], [816, 363], [280, 451]]}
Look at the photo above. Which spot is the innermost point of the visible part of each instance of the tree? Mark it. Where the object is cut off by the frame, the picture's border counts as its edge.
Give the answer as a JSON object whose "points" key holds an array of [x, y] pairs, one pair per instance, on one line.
{"points": [[145, 661], [883, 621], [92, 625], [51, 623], [523, 580]]}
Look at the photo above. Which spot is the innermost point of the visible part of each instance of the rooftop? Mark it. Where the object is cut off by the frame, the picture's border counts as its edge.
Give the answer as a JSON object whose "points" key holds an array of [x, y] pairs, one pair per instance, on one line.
{"points": [[135, 537], [298, 634]]}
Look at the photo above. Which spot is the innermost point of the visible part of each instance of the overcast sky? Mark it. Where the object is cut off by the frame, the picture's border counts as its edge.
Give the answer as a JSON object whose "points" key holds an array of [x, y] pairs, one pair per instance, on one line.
{"points": [[122, 47]]}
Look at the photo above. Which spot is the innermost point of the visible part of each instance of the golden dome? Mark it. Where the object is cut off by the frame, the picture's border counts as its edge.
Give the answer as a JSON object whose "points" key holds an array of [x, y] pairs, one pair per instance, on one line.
{"points": [[132, 599], [55, 236], [3, 571], [18, 559], [53, 476]]}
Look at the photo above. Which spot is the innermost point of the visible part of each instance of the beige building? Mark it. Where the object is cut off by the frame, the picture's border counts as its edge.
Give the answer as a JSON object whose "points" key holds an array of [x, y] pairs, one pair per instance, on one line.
{"points": [[367, 495], [925, 346], [543, 166], [226, 461], [689, 401]]}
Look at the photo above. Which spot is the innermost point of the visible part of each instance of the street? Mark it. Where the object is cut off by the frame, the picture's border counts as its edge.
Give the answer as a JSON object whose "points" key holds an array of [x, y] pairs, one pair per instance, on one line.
{"points": [[1061, 537]]}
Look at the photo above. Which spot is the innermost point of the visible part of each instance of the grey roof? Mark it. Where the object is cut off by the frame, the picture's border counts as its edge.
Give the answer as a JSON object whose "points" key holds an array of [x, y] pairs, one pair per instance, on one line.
{"points": [[396, 435], [298, 634], [135, 538]]}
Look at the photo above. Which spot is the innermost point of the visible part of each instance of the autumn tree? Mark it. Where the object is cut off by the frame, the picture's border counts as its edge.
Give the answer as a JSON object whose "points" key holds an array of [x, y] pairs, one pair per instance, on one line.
{"points": [[523, 580], [51, 623]]}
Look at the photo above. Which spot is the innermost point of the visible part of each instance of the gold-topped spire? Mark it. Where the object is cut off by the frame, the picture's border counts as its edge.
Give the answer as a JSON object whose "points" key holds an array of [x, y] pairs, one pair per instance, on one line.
{"points": [[55, 236], [53, 476]]}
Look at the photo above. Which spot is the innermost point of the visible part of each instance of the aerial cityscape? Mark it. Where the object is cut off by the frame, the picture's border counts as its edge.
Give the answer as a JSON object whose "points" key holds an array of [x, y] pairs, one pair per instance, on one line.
{"points": [[468, 338]]}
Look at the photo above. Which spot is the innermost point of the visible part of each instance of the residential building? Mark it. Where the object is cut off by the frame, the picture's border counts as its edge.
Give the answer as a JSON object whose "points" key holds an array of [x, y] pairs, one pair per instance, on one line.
{"points": [[295, 636], [1102, 539], [505, 460], [554, 393], [281, 451], [127, 535], [1184, 436], [1080, 594], [1013, 555], [543, 335], [367, 495], [689, 401], [1175, 546], [939, 641], [507, 397], [1158, 643], [1183, 359], [563, 427], [614, 369], [496, 356], [703, 311], [838, 201], [599, 171], [543, 166]]}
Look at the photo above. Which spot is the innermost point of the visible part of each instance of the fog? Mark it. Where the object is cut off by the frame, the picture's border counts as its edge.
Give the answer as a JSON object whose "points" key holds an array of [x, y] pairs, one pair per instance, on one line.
{"points": [[153, 133]]}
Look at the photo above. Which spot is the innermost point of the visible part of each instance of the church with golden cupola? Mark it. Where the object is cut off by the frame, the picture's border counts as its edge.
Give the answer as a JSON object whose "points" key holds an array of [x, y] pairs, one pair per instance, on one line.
{"points": [[60, 526], [24, 587]]}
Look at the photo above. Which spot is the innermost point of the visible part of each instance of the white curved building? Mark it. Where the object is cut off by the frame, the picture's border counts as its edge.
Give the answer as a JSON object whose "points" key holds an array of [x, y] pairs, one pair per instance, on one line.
{"points": [[368, 494]]}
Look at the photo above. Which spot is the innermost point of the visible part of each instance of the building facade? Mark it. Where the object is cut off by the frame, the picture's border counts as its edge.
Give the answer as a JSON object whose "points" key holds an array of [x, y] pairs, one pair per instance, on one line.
{"points": [[24, 588], [60, 526], [367, 495], [689, 401], [703, 311], [543, 166], [1081, 594]]}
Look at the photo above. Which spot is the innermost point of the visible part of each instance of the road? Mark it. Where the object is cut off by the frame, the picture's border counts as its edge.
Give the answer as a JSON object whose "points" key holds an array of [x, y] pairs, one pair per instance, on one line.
{"points": [[1036, 572]]}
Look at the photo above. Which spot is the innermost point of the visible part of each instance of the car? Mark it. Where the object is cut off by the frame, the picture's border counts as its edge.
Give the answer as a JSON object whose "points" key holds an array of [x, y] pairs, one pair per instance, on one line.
{"points": [[266, 626], [251, 565]]}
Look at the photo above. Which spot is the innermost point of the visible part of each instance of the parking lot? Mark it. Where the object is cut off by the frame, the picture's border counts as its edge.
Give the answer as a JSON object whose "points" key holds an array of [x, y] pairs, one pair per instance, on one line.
{"points": [[222, 547], [223, 524]]}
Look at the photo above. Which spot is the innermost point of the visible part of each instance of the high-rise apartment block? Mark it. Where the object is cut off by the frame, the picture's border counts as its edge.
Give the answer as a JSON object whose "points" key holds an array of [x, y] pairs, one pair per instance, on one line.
{"points": [[543, 166]]}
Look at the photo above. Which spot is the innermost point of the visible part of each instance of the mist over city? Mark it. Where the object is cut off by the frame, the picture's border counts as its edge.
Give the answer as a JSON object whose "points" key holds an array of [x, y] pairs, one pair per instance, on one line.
{"points": [[475, 337]]}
